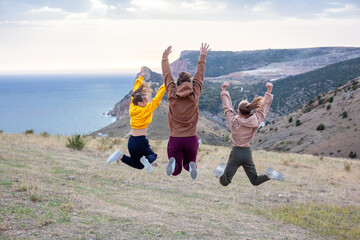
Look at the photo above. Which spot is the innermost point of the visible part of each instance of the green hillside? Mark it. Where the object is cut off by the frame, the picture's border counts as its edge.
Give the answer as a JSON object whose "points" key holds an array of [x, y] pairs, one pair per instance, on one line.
{"points": [[295, 91]]}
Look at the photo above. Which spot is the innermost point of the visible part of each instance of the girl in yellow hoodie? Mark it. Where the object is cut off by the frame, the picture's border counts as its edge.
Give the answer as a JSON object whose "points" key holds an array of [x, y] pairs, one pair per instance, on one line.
{"points": [[141, 113]]}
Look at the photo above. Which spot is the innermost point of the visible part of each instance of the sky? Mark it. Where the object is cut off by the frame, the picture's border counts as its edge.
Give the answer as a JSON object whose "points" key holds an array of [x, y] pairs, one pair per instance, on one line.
{"points": [[119, 36]]}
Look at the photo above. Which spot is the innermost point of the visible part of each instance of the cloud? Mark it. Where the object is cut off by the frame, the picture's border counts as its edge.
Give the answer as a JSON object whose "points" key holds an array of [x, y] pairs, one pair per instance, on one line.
{"points": [[153, 5], [260, 7], [346, 9], [47, 10], [202, 5]]}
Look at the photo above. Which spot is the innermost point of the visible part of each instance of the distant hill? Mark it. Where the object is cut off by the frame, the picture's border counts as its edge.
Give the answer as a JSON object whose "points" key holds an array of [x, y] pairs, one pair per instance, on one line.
{"points": [[289, 93], [327, 125], [270, 63]]}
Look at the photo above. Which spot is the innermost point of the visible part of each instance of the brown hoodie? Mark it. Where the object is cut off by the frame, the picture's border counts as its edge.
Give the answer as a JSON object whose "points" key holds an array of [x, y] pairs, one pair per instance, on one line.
{"points": [[183, 100]]}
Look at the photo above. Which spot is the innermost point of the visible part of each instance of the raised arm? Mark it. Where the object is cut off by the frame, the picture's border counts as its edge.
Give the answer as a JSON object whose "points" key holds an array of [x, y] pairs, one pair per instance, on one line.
{"points": [[157, 99], [167, 74], [261, 114], [139, 80], [227, 105], [198, 79]]}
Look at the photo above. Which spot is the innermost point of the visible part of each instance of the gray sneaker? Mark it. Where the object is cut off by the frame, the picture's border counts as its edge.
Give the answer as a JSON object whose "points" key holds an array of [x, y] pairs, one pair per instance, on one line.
{"points": [[114, 157], [274, 175], [219, 171], [170, 168], [146, 164], [193, 170]]}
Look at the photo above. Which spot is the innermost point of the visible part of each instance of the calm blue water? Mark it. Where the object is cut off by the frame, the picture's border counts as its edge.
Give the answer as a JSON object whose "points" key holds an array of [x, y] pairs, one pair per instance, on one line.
{"points": [[60, 104]]}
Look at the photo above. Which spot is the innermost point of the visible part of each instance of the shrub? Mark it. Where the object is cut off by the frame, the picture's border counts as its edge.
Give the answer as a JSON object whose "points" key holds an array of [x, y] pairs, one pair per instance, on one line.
{"points": [[29, 131], [298, 123], [35, 198], [344, 114], [352, 154], [75, 142], [331, 99], [290, 120], [45, 134], [226, 138], [320, 127], [102, 146], [307, 110], [328, 107], [1, 131], [347, 166]]}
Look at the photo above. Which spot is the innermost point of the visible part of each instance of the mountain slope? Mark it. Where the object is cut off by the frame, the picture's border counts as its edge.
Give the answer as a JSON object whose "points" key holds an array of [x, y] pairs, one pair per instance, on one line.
{"points": [[295, 91], [337, 110], [285, 61]]}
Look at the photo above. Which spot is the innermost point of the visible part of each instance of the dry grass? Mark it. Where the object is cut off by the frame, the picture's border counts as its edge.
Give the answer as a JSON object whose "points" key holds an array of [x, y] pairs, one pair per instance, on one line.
{"points": [[39, 200]]}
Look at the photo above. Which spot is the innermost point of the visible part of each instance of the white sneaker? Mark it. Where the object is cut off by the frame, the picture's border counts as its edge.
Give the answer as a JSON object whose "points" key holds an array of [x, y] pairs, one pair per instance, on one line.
{"points": [[193, 170], [113, 157], [274, 175], [170, 168], [146, 164], [219, 171]]}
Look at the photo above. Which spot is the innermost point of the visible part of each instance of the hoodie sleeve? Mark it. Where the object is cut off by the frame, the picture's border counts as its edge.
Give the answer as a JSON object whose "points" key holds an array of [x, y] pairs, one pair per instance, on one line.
{"points": [[168, 77], [156, 100], [228, 108], [198, 79], [261, 114], [137, 84]]}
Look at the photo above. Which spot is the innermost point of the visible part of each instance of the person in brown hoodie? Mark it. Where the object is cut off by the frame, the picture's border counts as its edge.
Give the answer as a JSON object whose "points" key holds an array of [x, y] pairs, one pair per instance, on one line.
{"points": [[183, 113]]}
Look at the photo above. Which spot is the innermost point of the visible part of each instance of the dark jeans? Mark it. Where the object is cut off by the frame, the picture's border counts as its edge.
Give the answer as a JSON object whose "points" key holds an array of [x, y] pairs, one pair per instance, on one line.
{"points": [[241, 156], [184, 150], [138, 147]]}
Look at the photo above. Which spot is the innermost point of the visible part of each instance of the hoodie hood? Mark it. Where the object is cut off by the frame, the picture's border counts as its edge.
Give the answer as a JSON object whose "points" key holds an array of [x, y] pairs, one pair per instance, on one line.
{"points": [[250, 122], [184, 90]]}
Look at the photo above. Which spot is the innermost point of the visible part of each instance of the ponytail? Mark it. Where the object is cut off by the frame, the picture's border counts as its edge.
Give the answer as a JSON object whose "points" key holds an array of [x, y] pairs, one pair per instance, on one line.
{"points": [[245, 107], [140, 93]]}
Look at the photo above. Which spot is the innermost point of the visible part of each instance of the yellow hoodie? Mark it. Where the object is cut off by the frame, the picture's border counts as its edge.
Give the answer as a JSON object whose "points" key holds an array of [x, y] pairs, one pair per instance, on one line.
{"points": [[140, 117]]}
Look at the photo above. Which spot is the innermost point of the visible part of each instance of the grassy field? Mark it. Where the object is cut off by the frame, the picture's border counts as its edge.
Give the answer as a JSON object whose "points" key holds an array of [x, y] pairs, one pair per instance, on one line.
{"points": [[51, 192]]}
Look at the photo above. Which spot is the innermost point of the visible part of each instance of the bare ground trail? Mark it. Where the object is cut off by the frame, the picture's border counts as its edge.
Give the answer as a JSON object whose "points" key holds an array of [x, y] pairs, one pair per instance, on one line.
{"points": [[51, 192]]}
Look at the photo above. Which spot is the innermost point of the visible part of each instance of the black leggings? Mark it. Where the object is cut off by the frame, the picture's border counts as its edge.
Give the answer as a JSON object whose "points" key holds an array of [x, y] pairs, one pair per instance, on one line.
{"points": [[241, 156], [138, 147]]}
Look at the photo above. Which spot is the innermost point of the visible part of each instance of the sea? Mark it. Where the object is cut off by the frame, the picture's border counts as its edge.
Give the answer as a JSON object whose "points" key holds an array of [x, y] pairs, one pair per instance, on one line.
{"points": [[60, 104]]}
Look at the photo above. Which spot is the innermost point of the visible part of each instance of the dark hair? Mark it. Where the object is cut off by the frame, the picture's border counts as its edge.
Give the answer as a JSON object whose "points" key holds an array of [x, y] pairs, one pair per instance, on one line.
{"points": [[183, 77], [140, 93], [245, 107]]}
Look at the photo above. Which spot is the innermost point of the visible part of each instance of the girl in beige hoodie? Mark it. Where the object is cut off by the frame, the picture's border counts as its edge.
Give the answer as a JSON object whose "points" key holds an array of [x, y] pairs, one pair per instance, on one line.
{"points": [[243, 128]]}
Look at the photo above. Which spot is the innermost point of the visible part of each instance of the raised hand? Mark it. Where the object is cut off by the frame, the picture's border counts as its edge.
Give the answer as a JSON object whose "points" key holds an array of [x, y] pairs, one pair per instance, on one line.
{"points": [[167, 51], [204, 49], [225, 85], [269, 86]]}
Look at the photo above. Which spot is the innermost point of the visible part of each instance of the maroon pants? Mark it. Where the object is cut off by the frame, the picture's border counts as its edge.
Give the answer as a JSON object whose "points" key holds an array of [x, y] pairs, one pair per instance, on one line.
{"points": [[184, 150]]}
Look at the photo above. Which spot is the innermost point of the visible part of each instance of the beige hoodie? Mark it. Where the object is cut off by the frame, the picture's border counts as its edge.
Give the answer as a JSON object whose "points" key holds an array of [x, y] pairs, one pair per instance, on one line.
{"points": [[183, 100], [244, 128]]}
